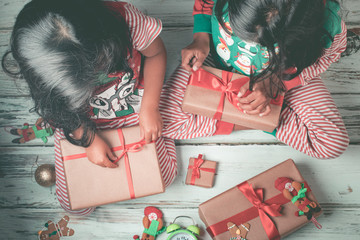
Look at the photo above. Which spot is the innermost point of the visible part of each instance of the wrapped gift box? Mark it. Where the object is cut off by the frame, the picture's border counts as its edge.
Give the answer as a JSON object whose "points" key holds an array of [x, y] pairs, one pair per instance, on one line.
{"points": [[138, 174], [269, 216], [213, 93], [201, 172]]}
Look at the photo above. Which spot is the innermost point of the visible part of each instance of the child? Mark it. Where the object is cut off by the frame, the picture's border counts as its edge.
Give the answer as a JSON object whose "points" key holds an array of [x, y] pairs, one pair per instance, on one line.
{"points": [[283, 46], [93, 65]]}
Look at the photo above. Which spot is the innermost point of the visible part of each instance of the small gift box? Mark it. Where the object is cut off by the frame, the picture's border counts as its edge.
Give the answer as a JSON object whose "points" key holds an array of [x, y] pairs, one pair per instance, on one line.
{"points": [[258, 209], [137, 175], [201, 172], [213, 93]]}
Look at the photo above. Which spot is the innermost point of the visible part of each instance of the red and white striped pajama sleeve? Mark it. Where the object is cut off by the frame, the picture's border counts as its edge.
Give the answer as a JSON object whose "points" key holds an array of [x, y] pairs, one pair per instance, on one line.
{"points": [[310, 121]]}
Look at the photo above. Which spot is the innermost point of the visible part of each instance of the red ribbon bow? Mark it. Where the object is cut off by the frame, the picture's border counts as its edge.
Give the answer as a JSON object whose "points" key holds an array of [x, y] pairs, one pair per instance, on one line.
{"points": [[228, 88], [256, 197], [260, 209], [132, 147], [196, 169]]}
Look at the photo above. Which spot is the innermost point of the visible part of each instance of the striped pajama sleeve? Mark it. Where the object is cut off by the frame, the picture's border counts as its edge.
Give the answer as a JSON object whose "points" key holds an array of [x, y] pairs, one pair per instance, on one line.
{"points": [[310, 121]]}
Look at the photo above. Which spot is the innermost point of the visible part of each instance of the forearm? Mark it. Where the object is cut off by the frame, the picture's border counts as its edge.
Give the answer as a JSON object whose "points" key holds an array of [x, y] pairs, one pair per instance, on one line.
{"points": [[154, 74], [202, 37]]}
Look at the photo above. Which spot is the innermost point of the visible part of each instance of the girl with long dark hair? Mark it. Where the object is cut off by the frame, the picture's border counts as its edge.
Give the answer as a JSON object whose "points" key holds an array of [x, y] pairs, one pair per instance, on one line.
{"points": [[283, 46], [93, 65]]}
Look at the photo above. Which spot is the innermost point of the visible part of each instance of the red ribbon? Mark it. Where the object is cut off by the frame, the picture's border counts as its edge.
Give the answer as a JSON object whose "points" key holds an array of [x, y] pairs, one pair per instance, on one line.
{"points": [[132, 147], [196, 169], [260, 208], [228, 88], [256, 197]]}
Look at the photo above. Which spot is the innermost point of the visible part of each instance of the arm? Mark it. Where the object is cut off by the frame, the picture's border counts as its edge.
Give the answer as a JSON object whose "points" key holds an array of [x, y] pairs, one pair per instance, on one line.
{"points": [[154, 73], [194, 55]]}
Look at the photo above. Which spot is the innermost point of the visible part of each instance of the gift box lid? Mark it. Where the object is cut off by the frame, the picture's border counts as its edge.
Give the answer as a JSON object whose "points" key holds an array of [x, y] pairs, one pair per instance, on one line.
{"points": [[207, 172], [92, 185]]}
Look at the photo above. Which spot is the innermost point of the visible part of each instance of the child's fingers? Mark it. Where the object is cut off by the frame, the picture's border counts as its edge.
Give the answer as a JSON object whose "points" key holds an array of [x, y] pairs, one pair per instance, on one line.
{"points": [[187, 57], [199, 62], [243, 89], [148, 137], [266, 111], [111, 155], [255, 110], [248, 99], [109, 164], [155, 136]]}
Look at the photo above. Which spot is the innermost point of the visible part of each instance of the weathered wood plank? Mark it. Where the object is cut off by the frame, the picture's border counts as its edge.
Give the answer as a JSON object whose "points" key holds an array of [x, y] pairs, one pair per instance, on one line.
{"points": [[331, 180], [171, 12], [113, 223]]}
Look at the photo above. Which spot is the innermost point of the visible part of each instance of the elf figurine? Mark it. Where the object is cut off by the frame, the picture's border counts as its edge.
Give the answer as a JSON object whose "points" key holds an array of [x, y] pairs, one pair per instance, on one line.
{"points": [[153, 224], [26, 133], [296, 193], [56, 230]]}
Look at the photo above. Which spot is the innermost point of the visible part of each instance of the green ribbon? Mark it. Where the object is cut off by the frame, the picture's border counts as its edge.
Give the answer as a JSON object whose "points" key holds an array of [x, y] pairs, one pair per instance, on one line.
{"points": [[301, 194]]}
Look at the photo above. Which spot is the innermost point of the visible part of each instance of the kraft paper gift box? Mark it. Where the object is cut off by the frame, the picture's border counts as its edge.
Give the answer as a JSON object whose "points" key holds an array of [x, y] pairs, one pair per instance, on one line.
{"points": [[138, 173], [259, 206], [201, 172], [213, 93]]}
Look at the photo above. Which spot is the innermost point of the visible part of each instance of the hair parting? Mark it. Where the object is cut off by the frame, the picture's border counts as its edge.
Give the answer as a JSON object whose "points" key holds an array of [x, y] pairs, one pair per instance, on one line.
{"points": [[61, 47]]}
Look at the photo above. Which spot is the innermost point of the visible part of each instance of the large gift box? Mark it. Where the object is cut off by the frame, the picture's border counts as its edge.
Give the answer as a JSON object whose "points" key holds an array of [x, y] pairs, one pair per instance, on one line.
{"points": [[213, 93], [261, 207], [137, 175], [201, 172]]}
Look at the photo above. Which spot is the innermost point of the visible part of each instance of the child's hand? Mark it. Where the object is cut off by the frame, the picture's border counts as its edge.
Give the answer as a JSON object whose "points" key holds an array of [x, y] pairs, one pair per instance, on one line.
{"points": [[100, 153], [194, 55], [151, 124], [257, 102]]}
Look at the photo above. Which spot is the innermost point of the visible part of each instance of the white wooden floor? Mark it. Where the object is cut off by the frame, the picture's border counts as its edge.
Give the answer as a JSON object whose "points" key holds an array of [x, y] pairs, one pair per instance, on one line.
{"points": [[25, 206]]}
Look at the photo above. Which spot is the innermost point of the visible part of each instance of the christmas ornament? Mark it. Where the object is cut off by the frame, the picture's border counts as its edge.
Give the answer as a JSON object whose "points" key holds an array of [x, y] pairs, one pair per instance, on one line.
{"points": [[177, 232], [26, 133], [45, 175], [238, 232], [153, 224], [296, 193], [56, 230]]}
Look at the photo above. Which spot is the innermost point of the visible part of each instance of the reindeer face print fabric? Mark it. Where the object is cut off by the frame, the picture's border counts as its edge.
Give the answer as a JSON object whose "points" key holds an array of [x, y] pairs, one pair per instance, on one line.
{"points": [[118, 95]]}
